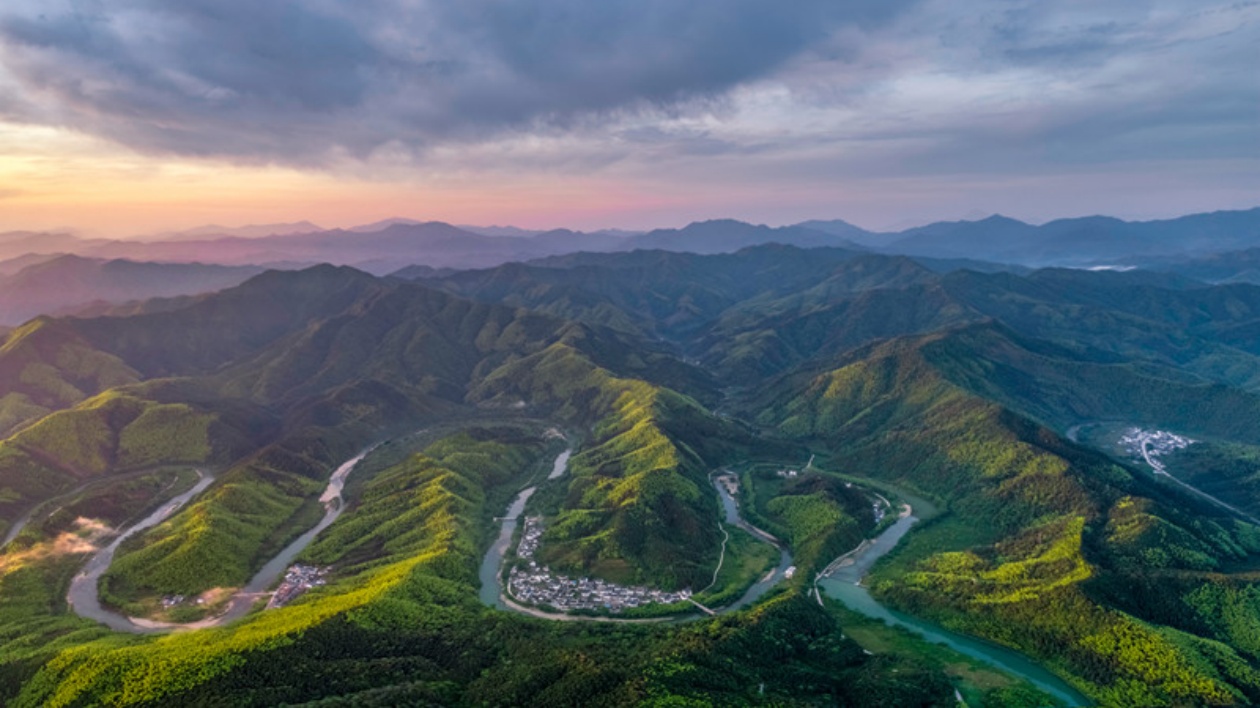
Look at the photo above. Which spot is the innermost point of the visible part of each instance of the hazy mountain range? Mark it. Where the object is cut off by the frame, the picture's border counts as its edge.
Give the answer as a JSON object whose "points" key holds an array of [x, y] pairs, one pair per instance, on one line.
{"points": [[392, 244], [35, 285]]}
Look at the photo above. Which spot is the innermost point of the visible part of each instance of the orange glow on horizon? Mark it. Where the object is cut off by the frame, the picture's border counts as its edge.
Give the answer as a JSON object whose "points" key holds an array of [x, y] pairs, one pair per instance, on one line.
{"points": [[53, 179]]}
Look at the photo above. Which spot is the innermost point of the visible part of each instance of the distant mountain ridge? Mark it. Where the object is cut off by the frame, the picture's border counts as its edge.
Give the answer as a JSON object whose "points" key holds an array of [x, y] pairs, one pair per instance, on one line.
{"points": [[1081, 241], [392, 244], [248, 231], [60, 283]]}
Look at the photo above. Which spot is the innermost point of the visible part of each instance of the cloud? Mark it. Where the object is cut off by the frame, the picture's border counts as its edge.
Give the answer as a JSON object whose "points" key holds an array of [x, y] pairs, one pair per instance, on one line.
{"points": [[1019, 87], [715, 101], [299, 81]]}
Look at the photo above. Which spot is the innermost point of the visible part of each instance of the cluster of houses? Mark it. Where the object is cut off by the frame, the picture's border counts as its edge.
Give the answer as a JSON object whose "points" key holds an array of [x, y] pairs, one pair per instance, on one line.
{"points": [[531, 536], [787, 473], [297, 580], [537, 585], [1150, 444], [1158, 442], [174, 600]]}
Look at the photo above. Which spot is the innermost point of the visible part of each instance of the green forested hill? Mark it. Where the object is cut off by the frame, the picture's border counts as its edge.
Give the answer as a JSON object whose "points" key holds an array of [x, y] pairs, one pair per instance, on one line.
{"points": [[1063, 387], [954, 385], [1041, 535], [47, 365], [639, 484], [657, 292], [342, 359]]}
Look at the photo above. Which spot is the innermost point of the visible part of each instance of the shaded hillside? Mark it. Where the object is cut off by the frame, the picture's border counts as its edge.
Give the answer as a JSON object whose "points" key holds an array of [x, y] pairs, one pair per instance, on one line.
{"points": [[342, 359], [1061, 387], [1135, 315], [217, 330], [657, 292], [64, 282], [47, 365], [121, 430], [1225, 267], [757, 311], [1210, 332], [767, 309], [748, 349]]}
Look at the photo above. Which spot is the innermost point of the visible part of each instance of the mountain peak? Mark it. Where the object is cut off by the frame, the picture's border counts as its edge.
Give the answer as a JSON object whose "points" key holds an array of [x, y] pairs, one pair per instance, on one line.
{"points": [[1001, 220]]}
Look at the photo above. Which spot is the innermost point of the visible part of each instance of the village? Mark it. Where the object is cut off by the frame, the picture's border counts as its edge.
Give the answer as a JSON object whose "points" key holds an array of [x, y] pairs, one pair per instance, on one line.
{"points": [[172, 601], [537, 585], [297, 580], [1149, 445]]}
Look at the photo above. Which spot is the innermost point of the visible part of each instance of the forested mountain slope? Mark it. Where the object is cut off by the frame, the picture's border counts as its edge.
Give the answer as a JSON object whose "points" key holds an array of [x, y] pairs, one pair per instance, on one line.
{"points": [[909, 381], [1042, 536]]}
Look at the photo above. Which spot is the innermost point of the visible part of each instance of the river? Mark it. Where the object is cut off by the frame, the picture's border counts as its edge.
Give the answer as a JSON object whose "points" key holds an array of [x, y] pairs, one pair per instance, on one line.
{"points": [[491, 572], [84, 589], [731, 510], [492, 565], [491, 575], [561, 465], [843, 586], [84, 594]]}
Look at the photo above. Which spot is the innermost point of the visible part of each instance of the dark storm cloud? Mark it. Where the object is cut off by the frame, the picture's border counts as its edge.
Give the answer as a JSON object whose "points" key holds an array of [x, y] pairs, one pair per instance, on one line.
{"points": [[296, 81]]}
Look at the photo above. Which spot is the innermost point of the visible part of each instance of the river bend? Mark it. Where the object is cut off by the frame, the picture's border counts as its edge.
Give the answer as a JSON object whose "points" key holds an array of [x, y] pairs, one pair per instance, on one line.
{"points": [[84, 594]]}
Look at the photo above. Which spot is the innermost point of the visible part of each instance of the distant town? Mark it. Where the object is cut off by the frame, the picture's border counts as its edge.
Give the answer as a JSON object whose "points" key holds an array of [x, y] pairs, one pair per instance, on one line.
{"points": [[1149, 445], [538, 585]]}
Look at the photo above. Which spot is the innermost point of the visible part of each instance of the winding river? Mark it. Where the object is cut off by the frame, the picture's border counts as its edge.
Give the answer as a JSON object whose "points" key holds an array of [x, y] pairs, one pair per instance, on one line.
{"points": [[843, 585], [493, 593], [731, 509], [84, 594]]}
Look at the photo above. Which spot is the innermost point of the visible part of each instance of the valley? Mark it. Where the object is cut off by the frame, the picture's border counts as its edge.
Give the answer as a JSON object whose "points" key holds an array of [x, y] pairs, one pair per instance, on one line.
{"points": [[525, 587], [575, 520], [842, 581], [83, 595], [620, 354]]}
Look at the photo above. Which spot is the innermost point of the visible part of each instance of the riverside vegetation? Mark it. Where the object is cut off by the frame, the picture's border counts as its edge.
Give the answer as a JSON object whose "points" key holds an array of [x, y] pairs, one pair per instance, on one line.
{"points": [[957, 386]]}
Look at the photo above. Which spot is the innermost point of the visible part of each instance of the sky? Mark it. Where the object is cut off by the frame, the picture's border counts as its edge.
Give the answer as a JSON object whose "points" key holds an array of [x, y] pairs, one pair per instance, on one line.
{"points": [[126, 117]]}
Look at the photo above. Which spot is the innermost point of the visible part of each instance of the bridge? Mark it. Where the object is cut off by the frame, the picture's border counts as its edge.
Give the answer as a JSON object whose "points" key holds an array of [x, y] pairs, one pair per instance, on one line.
{"points": [[702, 607]]}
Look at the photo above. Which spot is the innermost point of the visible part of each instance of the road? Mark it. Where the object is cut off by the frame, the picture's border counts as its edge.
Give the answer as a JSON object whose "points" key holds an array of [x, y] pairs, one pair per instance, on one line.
{"points": [[494, 595], [84, 593], [1158, 468]]}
